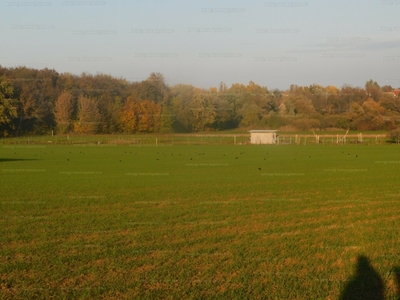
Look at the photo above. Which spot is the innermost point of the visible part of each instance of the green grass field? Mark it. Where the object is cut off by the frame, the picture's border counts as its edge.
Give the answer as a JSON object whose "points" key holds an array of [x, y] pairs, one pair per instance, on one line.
{"points": [[196, 222]]}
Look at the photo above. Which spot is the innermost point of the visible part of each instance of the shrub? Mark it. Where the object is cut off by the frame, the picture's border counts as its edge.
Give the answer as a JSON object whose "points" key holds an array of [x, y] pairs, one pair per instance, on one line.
{"points": [[395, 135]]}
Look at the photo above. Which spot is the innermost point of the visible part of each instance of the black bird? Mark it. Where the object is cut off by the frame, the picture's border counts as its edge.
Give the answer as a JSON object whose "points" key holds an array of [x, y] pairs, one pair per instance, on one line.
{"points": [[236, 157], [68, 159], [259, 168], [191, 158]]}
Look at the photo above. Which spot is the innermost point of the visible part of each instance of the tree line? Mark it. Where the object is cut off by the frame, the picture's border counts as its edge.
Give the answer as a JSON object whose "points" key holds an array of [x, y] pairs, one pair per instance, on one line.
{"points": [[40, 101]]}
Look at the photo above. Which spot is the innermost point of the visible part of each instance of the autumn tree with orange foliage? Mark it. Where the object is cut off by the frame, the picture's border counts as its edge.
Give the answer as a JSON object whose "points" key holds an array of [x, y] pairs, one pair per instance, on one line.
{"points": [[140, 116], [88, 119], [64, 109]]}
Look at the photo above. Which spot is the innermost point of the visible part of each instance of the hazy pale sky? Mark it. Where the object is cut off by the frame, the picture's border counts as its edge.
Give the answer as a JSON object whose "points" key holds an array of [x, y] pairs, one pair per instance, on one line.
{"points": [[204, 42]]}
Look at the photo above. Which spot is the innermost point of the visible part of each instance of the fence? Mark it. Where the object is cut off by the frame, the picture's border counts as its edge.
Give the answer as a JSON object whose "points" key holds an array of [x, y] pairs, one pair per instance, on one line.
{"points": [[195, 139]]}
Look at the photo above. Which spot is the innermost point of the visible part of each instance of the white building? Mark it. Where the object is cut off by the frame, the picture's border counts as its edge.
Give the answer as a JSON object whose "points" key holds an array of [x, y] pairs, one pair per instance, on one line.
{"points": [[263, 137]]}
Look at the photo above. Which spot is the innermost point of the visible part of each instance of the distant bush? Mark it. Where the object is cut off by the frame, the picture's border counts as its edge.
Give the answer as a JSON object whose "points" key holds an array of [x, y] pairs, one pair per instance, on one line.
{"points": [[395, 135]]}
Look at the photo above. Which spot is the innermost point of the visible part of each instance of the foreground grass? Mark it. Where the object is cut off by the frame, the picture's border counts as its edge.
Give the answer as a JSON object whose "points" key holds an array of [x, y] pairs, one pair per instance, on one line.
{"points": [[262, 222]]}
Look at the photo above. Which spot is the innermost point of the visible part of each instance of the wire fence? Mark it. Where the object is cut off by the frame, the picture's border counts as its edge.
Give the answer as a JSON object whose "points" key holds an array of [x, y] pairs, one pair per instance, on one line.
{"points": [[195, 139]]}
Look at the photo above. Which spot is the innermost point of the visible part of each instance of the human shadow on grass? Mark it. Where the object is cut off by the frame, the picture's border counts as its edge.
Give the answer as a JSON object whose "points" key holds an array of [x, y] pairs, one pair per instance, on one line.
{"points": [[365, 284], [15, 159], [396, 271]]}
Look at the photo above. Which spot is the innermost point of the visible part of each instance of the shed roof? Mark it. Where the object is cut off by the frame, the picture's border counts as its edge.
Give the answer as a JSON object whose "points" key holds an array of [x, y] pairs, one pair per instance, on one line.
{"points": [[262, 131]]}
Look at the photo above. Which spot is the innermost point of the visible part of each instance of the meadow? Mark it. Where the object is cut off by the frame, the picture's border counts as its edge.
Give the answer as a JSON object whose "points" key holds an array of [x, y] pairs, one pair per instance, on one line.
{"points": [[94, 221]]}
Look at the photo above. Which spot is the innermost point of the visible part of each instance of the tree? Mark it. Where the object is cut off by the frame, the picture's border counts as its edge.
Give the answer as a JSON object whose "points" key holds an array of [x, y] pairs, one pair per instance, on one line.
{"points": [[372, 108], [154, 88], [64, 109], [88, 118], [36, 91], [251, 115], [389, 103], [149, 116], [395, 135], [180, 106], [202, 112], [222, 87], [303, 105], [166, 119], [7, 109], [282, 109], [373, 90], [129, 115], [224, 114], [141, 116]]}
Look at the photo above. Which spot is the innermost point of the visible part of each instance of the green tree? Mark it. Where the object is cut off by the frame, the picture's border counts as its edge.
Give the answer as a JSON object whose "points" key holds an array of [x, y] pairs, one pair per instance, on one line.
{"points": [[373, 90], [250, 115], [395, 135], [167, 119], [202, 112], [8, 110]]}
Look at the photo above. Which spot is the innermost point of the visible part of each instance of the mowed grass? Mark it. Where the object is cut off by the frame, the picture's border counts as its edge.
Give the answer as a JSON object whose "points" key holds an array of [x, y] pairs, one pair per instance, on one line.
{"points": [[196, 222]]}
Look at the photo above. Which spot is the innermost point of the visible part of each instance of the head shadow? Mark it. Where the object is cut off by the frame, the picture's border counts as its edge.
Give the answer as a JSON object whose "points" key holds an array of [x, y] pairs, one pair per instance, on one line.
{"points": [[365, 284], [16, 159], [396, 271]]}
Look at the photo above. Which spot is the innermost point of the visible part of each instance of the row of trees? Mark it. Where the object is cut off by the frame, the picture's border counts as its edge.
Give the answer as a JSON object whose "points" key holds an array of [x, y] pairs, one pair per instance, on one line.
{"points": [[38, 101]]}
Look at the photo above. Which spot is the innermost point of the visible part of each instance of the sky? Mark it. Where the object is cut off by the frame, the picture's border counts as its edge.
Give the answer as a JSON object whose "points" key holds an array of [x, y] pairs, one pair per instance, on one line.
{"points": [[205, 42]]}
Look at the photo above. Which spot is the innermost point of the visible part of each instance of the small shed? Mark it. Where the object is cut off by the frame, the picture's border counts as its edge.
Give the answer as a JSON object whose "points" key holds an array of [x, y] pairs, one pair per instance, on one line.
{"points": [[263, 137]]}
